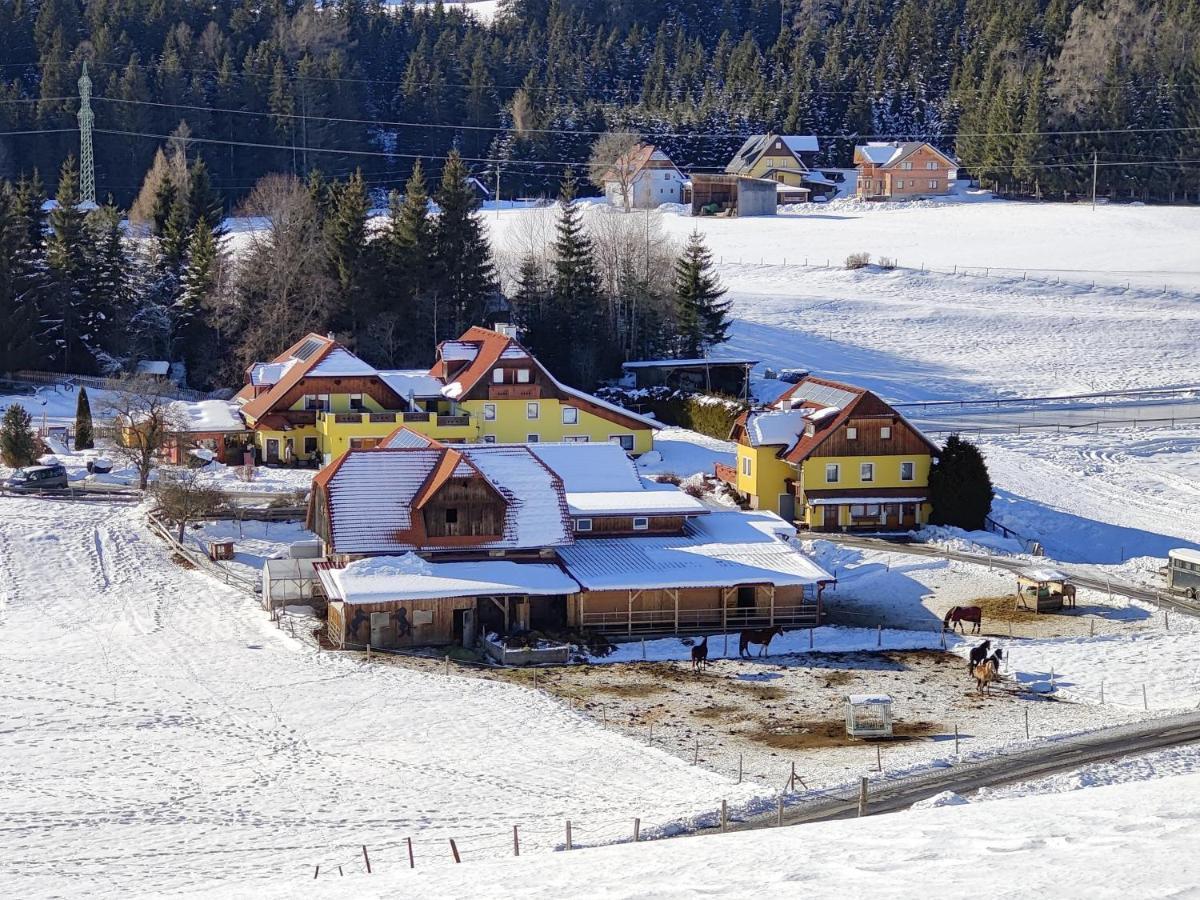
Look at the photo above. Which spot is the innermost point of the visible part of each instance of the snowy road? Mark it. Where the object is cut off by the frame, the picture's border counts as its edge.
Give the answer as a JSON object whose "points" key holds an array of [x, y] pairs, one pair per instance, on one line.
{"points": [[158, 734]]}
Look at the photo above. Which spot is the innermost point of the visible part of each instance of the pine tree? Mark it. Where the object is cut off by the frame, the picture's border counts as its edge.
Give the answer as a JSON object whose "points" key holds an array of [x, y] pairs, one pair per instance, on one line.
{"points": [[83, 422], [960, 489], [702, 316], [401, 331], [108, 287], [17, 444], [18, 320], [575, 287], [466, 279], [193, 334], [65, 317], [203, 202], [345, 242]]}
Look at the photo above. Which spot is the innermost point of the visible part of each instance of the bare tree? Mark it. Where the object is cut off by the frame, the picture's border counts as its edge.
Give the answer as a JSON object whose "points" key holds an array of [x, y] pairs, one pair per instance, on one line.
{"points": [[615, 159], [283, 288], [183, 497], [144, 419]]}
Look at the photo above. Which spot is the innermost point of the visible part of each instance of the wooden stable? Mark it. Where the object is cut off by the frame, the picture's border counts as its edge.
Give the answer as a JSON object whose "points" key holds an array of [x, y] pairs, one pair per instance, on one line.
{"points": [[1044, 590], [396, 624], [675, 610]]}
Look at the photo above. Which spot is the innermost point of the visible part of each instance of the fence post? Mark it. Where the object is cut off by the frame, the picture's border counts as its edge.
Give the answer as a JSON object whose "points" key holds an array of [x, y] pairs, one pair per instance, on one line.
{"points": [[1145, 701], [878, 635], [368, 652], [454, 850], [366, 859], [956, 739], [651, 732], [411, 863], [696, 756], [569, 844], [810, 638], [516, 842], [1027, 723], [447, 663], [862, 796], [637, 830], [793, 776], [317, 872], [643, 649], [739, 768], [879, 756], [779, 812], [1101, 691], [724, 815]]}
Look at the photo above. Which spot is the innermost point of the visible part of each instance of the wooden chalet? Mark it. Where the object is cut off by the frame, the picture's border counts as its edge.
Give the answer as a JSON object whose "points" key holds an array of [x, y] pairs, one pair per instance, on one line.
{"points": [[902, 170]]}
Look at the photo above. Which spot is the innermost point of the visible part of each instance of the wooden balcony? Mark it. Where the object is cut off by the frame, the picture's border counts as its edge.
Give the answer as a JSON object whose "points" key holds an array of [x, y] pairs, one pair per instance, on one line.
{"points": [[378, 418], [514, 392]]}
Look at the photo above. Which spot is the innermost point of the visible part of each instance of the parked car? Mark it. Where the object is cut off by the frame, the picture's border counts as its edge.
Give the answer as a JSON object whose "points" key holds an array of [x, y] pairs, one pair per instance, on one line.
{"points": [[38, 478]]}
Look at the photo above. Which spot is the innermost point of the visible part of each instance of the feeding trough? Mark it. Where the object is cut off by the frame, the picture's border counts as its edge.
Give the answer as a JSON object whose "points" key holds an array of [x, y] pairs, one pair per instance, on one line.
{"points": [[869, 715]]}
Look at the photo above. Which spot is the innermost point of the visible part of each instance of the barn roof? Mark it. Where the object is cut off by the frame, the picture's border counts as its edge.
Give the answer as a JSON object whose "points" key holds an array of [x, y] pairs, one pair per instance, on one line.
{"points": [[389, 578]]}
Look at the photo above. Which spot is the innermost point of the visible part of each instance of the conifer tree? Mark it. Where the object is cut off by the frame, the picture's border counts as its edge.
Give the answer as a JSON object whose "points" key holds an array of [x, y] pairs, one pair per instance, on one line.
{"points": [[83, 422], [401, 330], [193, 334], [18, 319], [960, 489], [109, 286], [466, 279], [575, 287], [345, 241], [702, 316], [17, 444], [65, 317]]}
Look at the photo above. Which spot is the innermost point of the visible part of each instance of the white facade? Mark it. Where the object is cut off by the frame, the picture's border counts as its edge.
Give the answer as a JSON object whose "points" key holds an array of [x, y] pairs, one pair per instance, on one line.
{"points": [[655, 183]]}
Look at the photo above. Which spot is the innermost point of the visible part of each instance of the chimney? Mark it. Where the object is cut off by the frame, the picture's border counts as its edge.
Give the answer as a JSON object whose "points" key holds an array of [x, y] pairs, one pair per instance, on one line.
{"points": [[507, 329]]}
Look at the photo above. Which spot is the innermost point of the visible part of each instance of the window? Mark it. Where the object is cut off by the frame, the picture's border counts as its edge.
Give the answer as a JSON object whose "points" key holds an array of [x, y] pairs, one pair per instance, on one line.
{"points": [[885, 432], [531, 410], [570, 415], [872, 509], [583, 524], [498, 376], [831, 473], [931, 165], [533, 438], [356, 402], [746, 466], [451, 515], [857, 509], [907, 471], [851, 433], [318, 402], [900, 183], [625, 440], [906, 165], [522, 376], [575, 439], [310, 446], [933, 184], [866, 471], [489, 439], [489, 412], [640, 523]]}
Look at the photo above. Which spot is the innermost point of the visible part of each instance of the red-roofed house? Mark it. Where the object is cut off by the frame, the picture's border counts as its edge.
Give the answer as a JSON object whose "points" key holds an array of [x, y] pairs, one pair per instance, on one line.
{"points": [[833, 457]]}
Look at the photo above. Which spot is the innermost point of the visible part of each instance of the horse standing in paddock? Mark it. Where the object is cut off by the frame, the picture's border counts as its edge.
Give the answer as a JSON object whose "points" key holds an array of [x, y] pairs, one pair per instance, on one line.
{"points": [[1068, 595], [978, 655], [960, 614], [761, 636], [987, 672], [700, 655]]}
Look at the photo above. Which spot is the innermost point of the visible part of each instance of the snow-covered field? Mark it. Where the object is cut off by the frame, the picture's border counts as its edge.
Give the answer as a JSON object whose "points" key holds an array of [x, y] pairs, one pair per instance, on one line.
{"points": [[986, 333], [160, 735], [1106, 843]]}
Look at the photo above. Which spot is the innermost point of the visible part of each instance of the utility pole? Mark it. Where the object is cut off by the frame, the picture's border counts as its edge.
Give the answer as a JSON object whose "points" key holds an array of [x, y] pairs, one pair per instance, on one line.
{"points": [[497, 190], [1095, 167], [87, 163]]}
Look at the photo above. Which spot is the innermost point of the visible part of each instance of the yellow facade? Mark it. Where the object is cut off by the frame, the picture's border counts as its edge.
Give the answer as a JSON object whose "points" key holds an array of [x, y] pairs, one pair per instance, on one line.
{"points": [[515, 422], [762, 476], [783, 169]]}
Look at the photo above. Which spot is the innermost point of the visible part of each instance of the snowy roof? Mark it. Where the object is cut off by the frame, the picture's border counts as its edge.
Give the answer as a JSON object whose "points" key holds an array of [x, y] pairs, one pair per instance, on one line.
{"points": [[459, 350], [210, 415], [409, 577], [153, 367], [417, 382], [802, 143], [340, 362], [778, 428], [1185, 555], [757, 144], [878, 153], [372, 495], [1042, 575], [269, 373], [781, 188], [817, 178], [719, 550], [643, 503], [406, 437], [669, 363], [590, 467]]}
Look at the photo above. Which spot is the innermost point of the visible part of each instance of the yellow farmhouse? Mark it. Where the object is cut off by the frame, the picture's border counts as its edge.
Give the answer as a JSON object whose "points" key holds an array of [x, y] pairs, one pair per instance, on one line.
{"points": [[780, 158], [317, 400], [833, 457]]}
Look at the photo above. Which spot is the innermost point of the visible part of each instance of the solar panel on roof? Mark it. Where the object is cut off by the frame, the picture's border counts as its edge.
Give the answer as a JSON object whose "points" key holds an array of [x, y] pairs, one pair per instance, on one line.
{"points": [[307, 349], [823, 394]]}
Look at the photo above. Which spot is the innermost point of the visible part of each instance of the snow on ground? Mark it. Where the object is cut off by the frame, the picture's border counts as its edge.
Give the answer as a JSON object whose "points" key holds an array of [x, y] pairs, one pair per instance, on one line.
{"points": [[1107, 843], [160, 734], [678, 451], [266, 480], [1103, 498], [254, 542], [919, 336]]}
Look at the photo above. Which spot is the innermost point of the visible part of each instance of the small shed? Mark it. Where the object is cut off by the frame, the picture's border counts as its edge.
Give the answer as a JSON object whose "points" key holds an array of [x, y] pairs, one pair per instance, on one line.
{"points": [[868, 715], [724, 375], [1043, 590], [290, 582], [732, 195]]}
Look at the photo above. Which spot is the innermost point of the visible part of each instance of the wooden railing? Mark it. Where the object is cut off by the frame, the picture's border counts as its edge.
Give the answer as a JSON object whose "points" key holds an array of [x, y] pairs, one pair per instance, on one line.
{"points": [[416, 417], [379, 418], [514, 392], [806, 615], [454, 421]]}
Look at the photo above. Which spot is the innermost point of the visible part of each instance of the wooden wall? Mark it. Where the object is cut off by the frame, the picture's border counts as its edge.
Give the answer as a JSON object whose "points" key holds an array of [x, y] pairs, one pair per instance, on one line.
{"points": [[903, 442], [479, 511], [607, 526], [369, 385], [343, 619]]}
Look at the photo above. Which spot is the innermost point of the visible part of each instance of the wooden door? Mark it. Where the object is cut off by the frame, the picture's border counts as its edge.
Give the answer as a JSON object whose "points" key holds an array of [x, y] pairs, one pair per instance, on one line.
{"points": [[272, 450], [379, 628], [831, 518]]}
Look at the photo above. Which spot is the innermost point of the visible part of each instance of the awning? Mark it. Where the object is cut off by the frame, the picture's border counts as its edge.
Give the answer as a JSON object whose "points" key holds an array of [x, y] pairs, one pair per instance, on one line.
{"points": [[872, 500]]}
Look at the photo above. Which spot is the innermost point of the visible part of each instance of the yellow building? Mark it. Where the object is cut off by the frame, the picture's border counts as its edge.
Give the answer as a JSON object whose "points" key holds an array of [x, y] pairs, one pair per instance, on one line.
{"points": [[833, 457], [781, 158], [317, 399]]}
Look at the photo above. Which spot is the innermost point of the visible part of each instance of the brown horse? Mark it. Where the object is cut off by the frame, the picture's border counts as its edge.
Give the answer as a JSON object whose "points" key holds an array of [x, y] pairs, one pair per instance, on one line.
{"points": [[761, 636], [700, 655], [960, 614], [987, 672], [1068, 595]]}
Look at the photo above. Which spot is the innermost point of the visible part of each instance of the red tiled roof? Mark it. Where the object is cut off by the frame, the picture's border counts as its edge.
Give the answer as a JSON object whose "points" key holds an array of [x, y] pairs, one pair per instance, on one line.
{"points": [[263, 403]]}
